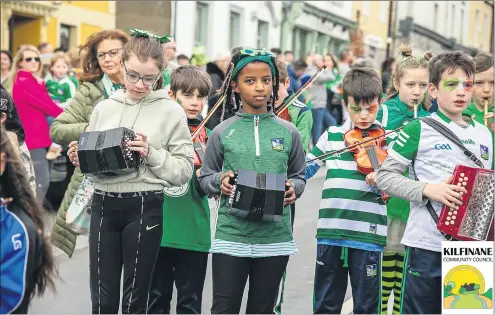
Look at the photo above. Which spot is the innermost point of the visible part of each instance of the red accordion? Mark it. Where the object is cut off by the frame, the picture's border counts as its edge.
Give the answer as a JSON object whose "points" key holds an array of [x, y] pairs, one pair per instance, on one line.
{"points": [[474, 218]]}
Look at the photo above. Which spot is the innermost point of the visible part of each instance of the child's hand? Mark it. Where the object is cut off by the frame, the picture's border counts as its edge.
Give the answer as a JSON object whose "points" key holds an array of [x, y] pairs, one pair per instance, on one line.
{"points": [[72, 153], [490, 124], [446, 193], [140, 144], [225, 186], [290, 193], [371, 179]]}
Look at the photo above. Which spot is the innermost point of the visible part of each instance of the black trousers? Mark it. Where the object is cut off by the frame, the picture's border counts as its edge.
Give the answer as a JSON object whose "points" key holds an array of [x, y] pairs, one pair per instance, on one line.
{"points": [[230, 275], [187, 268], [331, 275], [125, 230]]}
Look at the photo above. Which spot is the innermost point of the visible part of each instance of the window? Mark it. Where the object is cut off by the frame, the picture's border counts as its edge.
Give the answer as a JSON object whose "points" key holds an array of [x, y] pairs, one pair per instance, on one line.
{"points": [[366, 7], [299, 42], [201, 32], [383, 11], [235, 29], [262, 34], [65, 31]]}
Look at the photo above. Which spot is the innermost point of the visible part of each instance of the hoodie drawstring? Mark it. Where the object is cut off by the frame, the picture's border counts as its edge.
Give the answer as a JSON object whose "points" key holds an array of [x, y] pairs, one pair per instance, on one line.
{"points": [[344, 255]]}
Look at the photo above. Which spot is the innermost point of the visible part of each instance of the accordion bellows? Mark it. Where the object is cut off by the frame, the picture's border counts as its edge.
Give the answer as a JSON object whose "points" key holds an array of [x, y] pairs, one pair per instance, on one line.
{"points": [[257, 196], [473, 219], [105, 152]]}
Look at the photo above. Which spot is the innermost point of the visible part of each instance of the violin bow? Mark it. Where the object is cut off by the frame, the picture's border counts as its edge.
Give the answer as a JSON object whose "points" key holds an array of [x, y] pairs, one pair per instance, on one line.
{"points": [[208, 116], [299, 92], [353, 146]]}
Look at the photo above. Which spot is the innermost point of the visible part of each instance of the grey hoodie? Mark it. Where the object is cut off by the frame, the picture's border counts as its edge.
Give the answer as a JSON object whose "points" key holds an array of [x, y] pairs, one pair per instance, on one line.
{"points": [[165, 124]]}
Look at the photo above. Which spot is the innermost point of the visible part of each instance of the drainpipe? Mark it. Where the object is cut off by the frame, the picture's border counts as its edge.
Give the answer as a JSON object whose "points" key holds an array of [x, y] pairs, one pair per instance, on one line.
{"points": [[174, 16], [389, 31]]}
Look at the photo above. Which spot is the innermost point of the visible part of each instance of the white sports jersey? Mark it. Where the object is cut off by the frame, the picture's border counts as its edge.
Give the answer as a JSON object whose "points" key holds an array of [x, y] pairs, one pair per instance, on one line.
{"points": [[435, 158]]}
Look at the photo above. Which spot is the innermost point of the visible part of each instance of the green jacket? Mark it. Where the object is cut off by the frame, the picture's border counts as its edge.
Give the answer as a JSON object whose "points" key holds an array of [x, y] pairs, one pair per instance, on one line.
{"points": [[186, 215], [302, 117], [262, 143], [66, 128], [393, 114], [477, 114]]}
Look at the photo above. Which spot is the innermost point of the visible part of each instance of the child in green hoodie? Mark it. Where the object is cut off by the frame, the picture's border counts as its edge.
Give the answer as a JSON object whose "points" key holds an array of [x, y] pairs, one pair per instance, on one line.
{"points": [[408, 84], [482, 90], [254, 139], [186, 237]]}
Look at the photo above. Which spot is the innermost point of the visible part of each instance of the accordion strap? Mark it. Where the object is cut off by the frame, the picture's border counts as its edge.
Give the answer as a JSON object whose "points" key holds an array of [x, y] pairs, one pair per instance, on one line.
{"points": [[447, 133]]}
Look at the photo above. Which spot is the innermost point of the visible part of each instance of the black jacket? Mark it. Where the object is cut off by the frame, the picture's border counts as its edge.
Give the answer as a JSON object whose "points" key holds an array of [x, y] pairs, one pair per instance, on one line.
{"points": [[216, 75]]}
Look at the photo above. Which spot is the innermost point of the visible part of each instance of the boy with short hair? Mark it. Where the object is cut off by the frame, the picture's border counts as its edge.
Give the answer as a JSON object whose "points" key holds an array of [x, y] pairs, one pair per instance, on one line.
{"points": [[482, 89], [352, 221], [186, 237], [433, 157]]}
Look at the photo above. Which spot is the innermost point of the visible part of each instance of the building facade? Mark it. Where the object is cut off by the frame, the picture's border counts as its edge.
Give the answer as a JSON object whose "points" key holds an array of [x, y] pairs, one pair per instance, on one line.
{"points": [[444, 25], [155, 16], [374, 19], [316, 26], [222, 25], [65, 24]]}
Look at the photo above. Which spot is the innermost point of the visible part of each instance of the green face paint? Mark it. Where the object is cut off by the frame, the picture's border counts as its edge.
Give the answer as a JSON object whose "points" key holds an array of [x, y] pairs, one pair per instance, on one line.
{"points": [[179, 102], [451, 84]]}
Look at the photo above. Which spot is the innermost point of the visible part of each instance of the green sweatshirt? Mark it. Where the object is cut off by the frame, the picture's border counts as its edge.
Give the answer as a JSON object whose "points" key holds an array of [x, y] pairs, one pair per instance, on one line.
{"points": [[302, 117], [476, 114], [393, 114], [262, 143], [186, 215]]}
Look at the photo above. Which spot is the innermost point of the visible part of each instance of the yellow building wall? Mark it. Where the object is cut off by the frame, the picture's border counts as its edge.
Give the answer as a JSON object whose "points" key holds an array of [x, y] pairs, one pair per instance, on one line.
{"points": [[100, 6], [372, 24], [27, 33], [477, 29], [52, 31], [87, 30]]}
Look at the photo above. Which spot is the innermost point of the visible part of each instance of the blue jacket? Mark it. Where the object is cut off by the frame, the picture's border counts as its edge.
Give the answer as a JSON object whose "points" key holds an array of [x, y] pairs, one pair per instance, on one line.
{"points": [[20, 258]]}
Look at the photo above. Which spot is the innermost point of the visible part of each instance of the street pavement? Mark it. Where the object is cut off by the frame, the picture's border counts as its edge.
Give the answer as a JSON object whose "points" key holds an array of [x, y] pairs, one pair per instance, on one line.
{"points": [[72, 295]]}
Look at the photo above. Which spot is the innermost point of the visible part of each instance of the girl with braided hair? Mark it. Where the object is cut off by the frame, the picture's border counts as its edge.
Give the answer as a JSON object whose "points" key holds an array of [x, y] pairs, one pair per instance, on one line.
{"points": [[406, 99], [256, 140]]}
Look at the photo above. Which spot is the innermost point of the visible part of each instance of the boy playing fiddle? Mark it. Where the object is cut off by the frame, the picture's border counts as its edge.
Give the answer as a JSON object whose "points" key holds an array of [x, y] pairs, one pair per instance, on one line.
{"points": [[419, 145], [352, 221], [482, 90], [186, 237]]}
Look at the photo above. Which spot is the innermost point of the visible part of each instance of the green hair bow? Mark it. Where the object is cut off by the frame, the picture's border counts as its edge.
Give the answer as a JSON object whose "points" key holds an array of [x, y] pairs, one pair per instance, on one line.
{"points": [[142, 33]]}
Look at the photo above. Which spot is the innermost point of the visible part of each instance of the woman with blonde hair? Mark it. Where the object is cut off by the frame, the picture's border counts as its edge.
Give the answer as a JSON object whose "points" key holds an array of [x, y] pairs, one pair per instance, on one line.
{"points": [[33, 105], [101, 76]]}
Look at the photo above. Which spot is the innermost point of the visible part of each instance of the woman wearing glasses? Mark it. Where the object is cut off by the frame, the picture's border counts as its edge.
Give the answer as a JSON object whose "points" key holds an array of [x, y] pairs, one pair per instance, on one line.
{"points": [[102, 76], [33, 105], [126, 211]]}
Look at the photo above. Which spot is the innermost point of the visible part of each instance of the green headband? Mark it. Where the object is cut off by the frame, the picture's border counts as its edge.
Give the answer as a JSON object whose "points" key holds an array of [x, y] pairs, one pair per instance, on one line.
{"points": [[141, 33], [252, 56]]}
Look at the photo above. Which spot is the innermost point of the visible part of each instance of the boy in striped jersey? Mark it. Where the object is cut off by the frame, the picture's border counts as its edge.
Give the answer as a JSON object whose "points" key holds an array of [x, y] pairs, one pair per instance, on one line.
{"points": [[434, 158], [352, 222]]}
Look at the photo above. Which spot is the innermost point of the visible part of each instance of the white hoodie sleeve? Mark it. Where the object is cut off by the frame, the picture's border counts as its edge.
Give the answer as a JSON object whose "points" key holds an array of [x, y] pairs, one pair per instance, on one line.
{"points": [[174, 164]]}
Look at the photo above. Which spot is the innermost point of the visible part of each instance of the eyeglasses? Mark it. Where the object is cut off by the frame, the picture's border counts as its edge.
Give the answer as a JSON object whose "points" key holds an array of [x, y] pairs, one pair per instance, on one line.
{"points": [[112, 53], [29, 59], [134, 78], [256, 52]]}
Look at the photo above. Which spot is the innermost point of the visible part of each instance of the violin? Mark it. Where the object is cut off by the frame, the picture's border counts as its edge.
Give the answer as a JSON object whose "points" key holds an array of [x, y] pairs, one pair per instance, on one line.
{"points": [[370, 155], [199, 144], [284, 114]]}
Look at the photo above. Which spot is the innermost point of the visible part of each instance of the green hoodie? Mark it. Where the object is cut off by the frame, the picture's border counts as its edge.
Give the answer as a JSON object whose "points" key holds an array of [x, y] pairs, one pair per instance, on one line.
{"points": [[477, 114], [186, 215], [393, 114], [262, 143], [302, 117]]}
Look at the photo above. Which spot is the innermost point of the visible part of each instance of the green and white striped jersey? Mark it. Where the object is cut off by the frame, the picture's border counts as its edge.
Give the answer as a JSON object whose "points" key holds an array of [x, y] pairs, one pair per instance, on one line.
{"points": [[435, 158], [348, 209]]}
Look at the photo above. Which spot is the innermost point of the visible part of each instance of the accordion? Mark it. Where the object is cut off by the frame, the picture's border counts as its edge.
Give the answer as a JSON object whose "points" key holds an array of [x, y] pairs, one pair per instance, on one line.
{"points": [[473, 219], [257, 196], [105, 152]]}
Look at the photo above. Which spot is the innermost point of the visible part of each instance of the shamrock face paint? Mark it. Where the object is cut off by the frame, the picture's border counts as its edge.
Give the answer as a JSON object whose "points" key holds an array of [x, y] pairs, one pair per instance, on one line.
{"points": [[191, 102]]}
